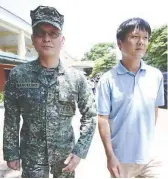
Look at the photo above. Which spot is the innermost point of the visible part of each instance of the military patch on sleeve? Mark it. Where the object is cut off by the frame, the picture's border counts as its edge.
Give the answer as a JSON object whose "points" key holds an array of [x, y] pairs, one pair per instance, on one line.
{"points": [[27, 85]]}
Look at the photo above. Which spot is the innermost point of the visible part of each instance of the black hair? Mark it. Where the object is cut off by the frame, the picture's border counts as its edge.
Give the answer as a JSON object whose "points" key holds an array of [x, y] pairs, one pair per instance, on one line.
{"points": [[131, 24]]}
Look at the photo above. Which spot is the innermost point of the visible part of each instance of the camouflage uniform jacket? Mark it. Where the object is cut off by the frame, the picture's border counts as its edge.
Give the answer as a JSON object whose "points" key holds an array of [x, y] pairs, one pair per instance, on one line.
{"points": [[47, 110]]}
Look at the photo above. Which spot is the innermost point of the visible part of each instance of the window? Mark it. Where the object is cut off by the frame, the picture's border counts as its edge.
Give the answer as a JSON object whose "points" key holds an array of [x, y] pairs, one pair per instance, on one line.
{"points": [[7, 71]]}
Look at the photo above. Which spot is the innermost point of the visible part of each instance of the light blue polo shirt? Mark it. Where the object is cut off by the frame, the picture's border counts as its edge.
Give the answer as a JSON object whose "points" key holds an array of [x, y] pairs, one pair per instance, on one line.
{"points": [[130, 102]]}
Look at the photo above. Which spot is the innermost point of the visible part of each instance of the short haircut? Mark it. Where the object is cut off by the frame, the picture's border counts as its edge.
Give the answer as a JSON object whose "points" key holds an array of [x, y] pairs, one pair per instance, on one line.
{"points": [[131, 24]]}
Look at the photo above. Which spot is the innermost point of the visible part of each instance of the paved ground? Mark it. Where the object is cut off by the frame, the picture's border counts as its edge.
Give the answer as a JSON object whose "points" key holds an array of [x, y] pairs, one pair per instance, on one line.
{"points": [[95, 164]]}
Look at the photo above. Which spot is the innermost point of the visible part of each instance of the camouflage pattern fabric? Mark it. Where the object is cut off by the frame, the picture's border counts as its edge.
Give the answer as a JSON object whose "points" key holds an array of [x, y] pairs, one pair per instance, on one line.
{"points": [[56, 170], [47, 108], [46, 14], [34, 170], [42, 170]]}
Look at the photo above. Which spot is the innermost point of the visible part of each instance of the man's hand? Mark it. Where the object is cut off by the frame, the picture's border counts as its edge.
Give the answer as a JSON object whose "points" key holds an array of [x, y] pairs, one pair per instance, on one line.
{"points": [[71, 161], [114, 166], [14, 165]]}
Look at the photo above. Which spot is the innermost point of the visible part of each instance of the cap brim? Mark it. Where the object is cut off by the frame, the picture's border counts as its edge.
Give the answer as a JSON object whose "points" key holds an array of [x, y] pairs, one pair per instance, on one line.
{"points": [[48, 22]]}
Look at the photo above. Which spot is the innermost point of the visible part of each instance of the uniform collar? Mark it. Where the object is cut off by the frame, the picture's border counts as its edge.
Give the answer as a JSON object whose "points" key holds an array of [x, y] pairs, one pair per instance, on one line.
{"points": [[41, 72], [36, 66]]}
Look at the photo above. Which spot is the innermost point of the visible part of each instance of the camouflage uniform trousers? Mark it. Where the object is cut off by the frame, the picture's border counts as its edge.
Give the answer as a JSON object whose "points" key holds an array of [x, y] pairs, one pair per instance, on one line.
{"points": [[30, 170]]}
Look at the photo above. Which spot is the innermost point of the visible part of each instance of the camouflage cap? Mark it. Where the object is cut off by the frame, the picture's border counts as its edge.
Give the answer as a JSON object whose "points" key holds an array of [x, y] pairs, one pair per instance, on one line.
{"points": [[46, 14]]}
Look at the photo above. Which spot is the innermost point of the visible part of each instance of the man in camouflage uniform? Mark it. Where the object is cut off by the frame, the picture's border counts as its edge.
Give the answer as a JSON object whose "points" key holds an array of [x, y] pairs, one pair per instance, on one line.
{"points": [[45, 93]]}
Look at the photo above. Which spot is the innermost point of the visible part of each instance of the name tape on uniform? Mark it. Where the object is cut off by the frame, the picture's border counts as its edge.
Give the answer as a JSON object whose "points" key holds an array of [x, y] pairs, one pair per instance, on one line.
{"points": [[27, 85]]}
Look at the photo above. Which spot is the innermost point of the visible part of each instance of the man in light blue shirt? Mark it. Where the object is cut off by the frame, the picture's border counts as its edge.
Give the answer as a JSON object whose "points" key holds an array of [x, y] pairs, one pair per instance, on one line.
{"points": [[127, 99]]}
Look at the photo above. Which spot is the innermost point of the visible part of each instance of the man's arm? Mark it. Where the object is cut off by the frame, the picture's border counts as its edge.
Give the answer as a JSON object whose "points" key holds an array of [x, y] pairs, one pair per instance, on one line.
{"points": [[104, 130], [160, 97], [87, 108], [11, 123], [113, 163], [104, 107]]}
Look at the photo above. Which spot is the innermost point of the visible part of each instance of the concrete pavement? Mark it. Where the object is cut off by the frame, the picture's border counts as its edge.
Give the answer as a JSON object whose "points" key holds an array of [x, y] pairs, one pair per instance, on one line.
{"points": [[94, 166]]}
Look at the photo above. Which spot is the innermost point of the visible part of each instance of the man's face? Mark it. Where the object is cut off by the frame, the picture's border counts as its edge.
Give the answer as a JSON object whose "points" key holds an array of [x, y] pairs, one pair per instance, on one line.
{"points": [[47, 40], [134, 45]]}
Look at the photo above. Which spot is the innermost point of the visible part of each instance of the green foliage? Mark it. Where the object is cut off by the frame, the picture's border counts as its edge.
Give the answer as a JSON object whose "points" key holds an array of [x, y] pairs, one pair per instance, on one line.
{"points": [[102, 54], [1, 97], [97, 51], [157, 49], [103, 64]]}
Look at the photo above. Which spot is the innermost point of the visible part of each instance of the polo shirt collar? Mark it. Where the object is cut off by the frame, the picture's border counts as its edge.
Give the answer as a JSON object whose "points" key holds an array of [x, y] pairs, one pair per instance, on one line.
{"points": [[122, 70]]}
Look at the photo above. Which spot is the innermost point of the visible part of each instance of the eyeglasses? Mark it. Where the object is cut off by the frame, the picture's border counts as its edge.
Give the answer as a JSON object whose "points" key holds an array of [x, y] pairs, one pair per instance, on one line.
{"points": [[41, 33]]}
